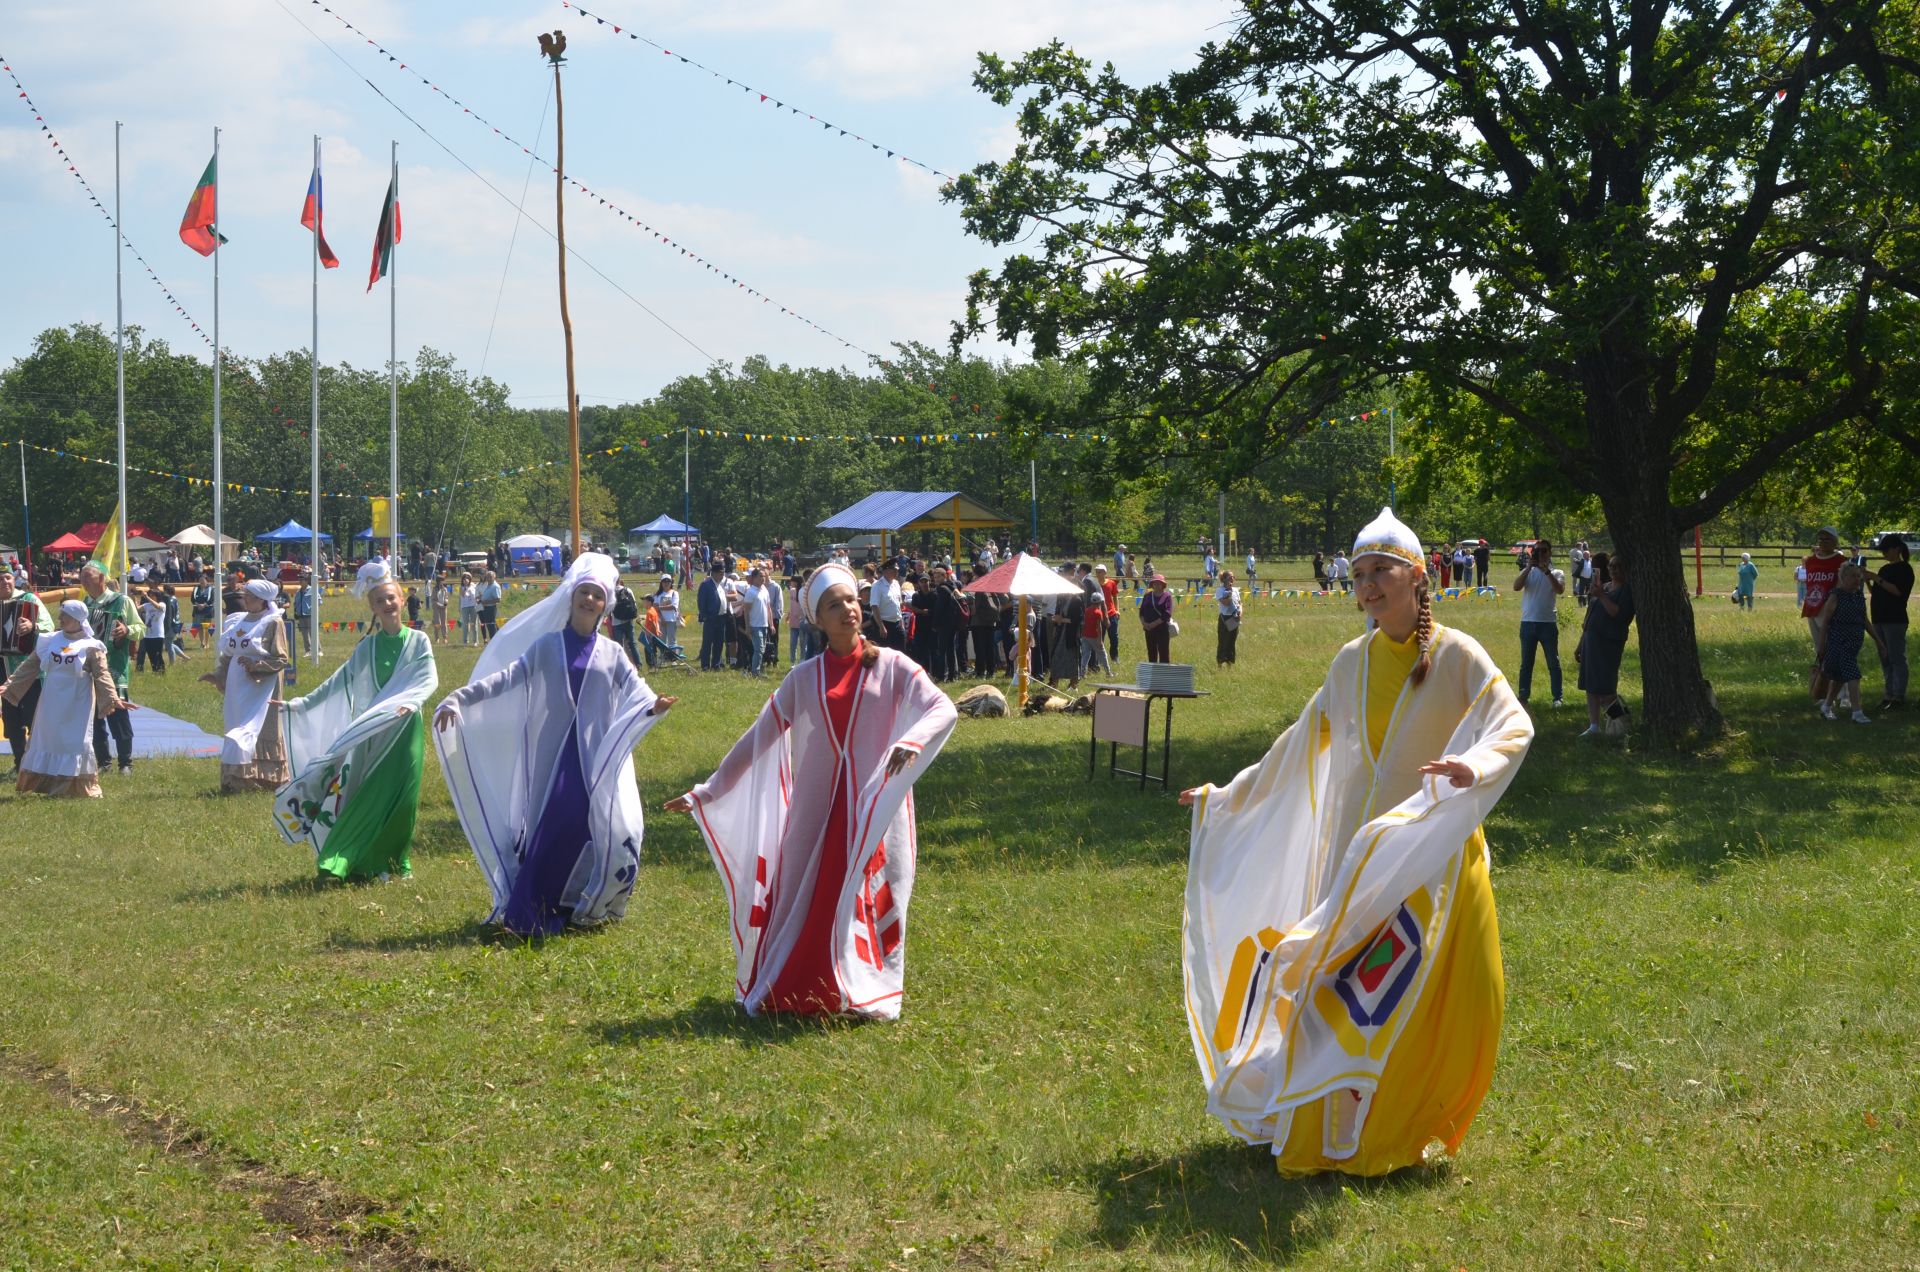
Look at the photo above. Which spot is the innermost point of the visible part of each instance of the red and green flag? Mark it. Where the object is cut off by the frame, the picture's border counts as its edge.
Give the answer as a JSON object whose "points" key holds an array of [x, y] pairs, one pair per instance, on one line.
{"points": [[387, 235], [197, 226]]}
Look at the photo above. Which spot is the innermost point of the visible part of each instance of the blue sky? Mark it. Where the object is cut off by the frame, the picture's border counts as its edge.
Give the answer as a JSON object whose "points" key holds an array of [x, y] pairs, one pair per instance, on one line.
{"points": [[823, 225]]}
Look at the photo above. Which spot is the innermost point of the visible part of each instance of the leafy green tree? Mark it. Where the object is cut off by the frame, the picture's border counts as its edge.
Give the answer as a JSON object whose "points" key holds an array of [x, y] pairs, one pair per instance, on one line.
{"points": [[1651, 246]]}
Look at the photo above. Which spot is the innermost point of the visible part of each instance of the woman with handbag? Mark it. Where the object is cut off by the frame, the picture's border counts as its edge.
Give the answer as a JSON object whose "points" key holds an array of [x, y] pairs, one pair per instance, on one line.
{"points": [[1229, 626]]}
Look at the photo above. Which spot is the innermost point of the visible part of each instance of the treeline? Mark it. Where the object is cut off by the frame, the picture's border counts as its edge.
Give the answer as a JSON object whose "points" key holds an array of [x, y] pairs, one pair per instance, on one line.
{"points": [[1310, 492]]}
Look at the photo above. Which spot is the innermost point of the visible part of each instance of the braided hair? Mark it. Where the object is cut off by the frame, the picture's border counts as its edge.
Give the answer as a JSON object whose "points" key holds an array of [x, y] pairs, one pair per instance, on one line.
{"points": [[1424, 629]]}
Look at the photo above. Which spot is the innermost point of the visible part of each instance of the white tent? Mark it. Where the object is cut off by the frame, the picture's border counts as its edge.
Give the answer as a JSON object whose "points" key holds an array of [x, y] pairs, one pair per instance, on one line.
{"points": [[532, 541], [1022, 576], [200, 536]]}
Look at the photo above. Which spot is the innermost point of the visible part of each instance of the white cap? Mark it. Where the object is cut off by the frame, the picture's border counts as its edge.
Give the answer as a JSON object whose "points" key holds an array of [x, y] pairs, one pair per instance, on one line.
{"points": [[1387, 535], [370, 576]]}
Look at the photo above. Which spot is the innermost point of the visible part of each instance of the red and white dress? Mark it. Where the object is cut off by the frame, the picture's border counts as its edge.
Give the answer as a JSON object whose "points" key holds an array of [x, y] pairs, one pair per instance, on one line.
{"points": [[815, 842]]}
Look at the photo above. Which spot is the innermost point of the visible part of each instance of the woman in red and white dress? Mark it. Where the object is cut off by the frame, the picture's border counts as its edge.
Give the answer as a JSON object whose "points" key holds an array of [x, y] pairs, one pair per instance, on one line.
{"points": [[810, 820]]}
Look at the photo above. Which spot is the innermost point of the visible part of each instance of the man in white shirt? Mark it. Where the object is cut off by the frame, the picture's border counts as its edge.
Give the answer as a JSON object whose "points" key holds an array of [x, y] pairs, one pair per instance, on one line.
{"points": [[884, 600], [759, 610], [1341, 571], [1250, 565], [138, 574], [1540, 586]]}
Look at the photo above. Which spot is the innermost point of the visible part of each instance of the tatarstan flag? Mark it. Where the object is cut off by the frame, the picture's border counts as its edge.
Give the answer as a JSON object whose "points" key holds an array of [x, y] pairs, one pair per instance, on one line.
{"points": [[387, 235], [310, 217], [197, 226]]}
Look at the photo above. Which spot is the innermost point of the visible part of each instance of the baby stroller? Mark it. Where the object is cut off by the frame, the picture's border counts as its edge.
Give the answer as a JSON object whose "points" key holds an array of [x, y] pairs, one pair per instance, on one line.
{"points": [[658, 653]]}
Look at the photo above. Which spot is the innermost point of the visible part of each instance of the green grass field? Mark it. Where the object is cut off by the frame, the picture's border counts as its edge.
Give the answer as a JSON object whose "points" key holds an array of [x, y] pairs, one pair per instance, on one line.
{"points": [[1709, 1056]]}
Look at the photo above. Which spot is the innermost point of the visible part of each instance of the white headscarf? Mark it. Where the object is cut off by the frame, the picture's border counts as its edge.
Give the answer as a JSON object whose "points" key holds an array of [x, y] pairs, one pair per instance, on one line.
{"points": [[77, 610], [371, 575], [266, 591], [823, 578], [550, 614]]}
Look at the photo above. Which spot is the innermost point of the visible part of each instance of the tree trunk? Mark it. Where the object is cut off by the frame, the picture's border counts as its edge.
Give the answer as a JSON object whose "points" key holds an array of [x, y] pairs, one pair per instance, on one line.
{"points": [[1676, 700]]}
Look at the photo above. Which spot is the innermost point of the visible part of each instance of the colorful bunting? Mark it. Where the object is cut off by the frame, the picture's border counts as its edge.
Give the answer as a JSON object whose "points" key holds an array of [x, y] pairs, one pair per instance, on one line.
{"points": [[766, 99], [103, 208]]}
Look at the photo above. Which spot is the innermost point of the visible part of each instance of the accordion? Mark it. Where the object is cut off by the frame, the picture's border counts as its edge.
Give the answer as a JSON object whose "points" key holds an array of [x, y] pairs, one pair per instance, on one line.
{"points": [[11, 640]]}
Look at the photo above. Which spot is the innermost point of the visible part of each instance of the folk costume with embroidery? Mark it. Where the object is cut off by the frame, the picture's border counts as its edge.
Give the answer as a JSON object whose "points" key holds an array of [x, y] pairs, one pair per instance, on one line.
{"points": [[540, 764], [253, 652], [814, 840], [76, 688], [357, 746], [1341, 950]]}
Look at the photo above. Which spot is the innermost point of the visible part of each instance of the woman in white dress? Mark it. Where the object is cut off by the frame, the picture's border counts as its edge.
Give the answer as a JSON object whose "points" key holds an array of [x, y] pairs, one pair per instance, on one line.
{"points": [[75, 689], [253, 652]]}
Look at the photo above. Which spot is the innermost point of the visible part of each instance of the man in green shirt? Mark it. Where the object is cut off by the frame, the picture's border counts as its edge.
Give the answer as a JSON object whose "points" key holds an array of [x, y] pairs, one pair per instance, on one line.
{"points": [[28, 620], [116, 622]]}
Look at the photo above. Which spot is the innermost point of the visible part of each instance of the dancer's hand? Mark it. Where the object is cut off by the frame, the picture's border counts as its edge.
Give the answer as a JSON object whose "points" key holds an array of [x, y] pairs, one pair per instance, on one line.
{"points": [[215, 681], [899, 760], [444, 719], [1192, 793], [678, 804], [1456, 771], [663, 705]]}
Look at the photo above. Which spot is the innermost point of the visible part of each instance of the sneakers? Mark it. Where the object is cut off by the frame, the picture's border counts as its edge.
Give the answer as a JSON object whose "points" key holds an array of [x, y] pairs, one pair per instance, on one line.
{"points": [[1591, 731], [1826, 711], [126, 770], [1861, 717], [1559, 702]]}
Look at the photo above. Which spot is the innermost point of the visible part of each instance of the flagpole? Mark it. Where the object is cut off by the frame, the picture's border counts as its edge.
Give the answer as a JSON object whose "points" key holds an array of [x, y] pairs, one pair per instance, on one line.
{"points": [[566, 319], [119, 356], [393, 376], [313, 556], [26, 523], [219, 470]]}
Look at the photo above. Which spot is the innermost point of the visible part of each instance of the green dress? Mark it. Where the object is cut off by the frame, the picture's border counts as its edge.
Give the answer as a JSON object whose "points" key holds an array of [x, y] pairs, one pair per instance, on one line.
{"points": [[358, 747]]}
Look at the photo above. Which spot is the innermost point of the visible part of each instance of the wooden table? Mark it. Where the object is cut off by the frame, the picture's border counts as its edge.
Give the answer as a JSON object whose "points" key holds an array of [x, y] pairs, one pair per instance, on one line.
{"points": [[1123, 715]]}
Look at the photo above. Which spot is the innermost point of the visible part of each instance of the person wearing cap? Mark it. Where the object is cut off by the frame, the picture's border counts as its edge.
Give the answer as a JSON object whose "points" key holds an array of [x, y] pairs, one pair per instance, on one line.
{"points": [[1822, 575], [811, 824], [68, 672], [1156, 620], [1341, 948], [357, 745], [666, 602], [537, 749], [116, 624], [253, 650]]}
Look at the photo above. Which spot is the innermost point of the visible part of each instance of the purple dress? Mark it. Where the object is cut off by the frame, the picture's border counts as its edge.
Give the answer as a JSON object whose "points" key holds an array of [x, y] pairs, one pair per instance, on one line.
{"points": [[560, 834]]}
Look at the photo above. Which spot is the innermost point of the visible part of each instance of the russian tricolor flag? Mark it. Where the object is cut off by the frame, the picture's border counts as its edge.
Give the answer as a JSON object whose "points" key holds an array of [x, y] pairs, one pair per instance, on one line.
{"points": [[310, 217]]}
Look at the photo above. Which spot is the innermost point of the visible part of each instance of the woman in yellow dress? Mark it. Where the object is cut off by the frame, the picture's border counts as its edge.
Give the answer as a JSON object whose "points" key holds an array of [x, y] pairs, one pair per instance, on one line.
{"points": [[1341, 951]]}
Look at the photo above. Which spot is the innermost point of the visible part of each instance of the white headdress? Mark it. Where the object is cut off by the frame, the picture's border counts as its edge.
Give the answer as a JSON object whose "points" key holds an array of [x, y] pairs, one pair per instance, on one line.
{"points": [[1386, 535], [551, 613], [78, 612], [266, 591], [823, 578], [371, 575]]}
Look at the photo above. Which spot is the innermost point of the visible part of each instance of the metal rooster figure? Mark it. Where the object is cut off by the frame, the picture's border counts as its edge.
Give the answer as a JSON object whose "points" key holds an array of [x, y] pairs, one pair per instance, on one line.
{"points": [[553, 46]]}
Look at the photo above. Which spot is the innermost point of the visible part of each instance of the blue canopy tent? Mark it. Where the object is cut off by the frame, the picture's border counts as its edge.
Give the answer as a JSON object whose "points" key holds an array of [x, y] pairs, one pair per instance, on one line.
{"points": [[667, 527], [292, 532], [368, 536]]}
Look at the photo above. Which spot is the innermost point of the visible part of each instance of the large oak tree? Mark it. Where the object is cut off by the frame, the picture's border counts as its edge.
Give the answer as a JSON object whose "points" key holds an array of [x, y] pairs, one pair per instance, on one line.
{"points": [[1657, 245]]}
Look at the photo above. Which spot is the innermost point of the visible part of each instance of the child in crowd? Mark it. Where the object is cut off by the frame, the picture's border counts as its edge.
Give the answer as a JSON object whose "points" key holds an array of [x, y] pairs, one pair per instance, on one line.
{"points": [[1845, 628], [413, 608], [153, 646]]}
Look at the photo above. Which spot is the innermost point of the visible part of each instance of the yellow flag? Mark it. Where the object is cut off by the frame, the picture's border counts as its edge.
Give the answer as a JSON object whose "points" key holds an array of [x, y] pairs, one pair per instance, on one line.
{"points": [[382, 519], [110, 554]]}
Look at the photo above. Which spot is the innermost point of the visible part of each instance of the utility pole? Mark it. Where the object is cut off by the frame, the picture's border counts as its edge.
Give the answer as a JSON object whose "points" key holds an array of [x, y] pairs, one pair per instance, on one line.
{"points": [[555, 46]]}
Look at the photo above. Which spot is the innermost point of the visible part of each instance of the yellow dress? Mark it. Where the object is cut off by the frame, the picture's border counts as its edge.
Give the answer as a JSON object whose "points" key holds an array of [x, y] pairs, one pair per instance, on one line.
{"points": [[1442, 1064]]}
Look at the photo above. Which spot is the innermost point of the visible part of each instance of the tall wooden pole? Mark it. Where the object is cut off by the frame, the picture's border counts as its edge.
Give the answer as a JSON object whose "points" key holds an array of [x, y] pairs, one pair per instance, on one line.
{"points": [[566, 320]]}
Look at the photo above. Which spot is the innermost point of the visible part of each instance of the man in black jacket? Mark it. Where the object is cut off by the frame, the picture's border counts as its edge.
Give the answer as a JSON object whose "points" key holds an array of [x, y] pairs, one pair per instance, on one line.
{"points": [[715, 620], [983, 626], [949, 620]]}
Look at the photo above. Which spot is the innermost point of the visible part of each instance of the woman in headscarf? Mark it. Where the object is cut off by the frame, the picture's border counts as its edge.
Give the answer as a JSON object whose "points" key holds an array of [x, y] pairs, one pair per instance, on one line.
{"points": [[810, 820], [254, 650], [537, 749], [70, 665], [357, 745], [1341, 951]]}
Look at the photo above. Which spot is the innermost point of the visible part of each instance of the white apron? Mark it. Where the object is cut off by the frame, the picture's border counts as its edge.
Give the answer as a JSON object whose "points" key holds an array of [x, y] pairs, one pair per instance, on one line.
{"points": [[61, 741], [247, 699]]}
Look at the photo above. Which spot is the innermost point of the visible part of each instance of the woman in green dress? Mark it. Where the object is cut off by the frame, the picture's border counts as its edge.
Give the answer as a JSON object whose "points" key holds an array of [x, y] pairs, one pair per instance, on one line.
{"points": [[357, 745]]}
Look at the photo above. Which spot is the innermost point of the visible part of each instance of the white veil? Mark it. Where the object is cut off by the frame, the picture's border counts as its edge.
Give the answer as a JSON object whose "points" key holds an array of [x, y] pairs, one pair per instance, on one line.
{"points": [[550, 614]]}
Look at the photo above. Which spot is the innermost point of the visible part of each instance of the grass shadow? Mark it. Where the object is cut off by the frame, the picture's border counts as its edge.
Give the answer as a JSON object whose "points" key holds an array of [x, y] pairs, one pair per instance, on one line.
{"points": [[299, 885], [1227, 1197], [715, 1017], [463, 933]]}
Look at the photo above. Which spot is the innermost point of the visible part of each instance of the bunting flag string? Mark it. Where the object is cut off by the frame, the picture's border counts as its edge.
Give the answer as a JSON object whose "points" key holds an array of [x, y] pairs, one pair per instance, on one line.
{"points": [[651, 231], [39, 117], [766, 99]]}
